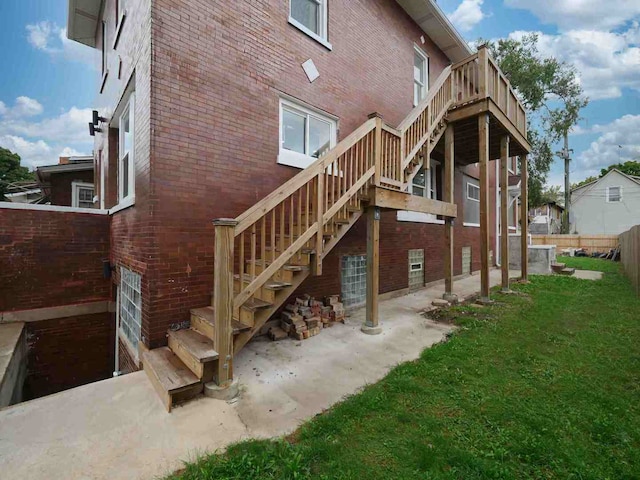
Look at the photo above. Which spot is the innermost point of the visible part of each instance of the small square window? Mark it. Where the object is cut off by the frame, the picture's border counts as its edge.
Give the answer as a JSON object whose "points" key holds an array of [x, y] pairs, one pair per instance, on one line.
{"points": [[82, 195], [473, 192], [614, 194]]}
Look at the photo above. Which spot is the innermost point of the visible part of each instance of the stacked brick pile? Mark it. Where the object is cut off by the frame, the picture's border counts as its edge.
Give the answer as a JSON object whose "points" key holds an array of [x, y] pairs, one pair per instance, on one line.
{"points": [[307, 317]]}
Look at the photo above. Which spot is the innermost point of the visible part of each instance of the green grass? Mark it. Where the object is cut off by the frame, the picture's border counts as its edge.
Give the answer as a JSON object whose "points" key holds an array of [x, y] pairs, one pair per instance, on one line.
{"points": [[586, 263], [543, 385]]}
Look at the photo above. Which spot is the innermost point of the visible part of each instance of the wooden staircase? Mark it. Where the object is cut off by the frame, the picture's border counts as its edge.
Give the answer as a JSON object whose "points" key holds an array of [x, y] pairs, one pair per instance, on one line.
{"points": [[262, 256]]}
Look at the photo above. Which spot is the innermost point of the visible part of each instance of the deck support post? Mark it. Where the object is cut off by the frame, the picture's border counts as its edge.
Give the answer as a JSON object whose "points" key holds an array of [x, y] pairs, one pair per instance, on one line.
{"points": [[504, 212], [483, 150], [223, 299], [524, 219], [372, 324], [449, 160]]}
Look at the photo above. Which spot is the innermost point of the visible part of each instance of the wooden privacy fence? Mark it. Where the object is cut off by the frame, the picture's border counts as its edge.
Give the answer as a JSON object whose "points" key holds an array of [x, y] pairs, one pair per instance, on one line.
{"points": [[630, 255], [591, 243]]}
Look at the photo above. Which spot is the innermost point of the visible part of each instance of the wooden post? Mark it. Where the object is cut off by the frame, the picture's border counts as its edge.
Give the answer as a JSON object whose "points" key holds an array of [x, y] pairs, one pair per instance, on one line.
{"points": [[317, 264], [524, 219], [449, 160], [483, 150], [372, 325], [504, 212], [483, 71], [223, 298], [377, 148]]}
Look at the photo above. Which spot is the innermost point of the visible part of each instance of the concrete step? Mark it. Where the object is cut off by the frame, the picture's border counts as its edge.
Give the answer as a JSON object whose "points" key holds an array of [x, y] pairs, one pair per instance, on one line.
{"points": [[558, 267], [171, 378], [196, 352]]}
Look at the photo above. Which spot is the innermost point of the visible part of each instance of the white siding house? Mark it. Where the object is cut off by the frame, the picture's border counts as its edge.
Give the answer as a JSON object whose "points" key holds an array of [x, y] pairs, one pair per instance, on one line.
{"points": [[607, 206]]}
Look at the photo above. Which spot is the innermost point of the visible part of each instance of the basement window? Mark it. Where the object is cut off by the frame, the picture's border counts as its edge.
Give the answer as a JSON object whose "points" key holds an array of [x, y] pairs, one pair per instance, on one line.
{"points": [[130, 309], [305, 134]]}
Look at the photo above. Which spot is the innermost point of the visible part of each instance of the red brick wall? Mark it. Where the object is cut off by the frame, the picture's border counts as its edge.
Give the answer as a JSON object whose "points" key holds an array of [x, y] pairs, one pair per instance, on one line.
{"points": [[68, 352], [48, 259], [61, 186], [126, 363]]}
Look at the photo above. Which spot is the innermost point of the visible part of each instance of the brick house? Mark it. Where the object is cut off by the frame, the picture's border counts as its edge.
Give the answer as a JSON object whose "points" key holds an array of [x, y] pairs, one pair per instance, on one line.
{"points": [[69, 183], [206, 108]]}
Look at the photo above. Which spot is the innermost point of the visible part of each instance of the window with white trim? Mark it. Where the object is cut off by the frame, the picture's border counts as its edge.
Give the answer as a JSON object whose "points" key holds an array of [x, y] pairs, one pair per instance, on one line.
{"points": [[471, 205], [82, 194], [420, 75], [130, 298], [305, 134], [310, 16], [614, 194], [424, 184], [126, 152]]}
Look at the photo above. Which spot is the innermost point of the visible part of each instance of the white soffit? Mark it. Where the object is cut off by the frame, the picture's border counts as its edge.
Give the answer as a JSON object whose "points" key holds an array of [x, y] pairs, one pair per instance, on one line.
{"points": [[82, 21], [437, 26]]}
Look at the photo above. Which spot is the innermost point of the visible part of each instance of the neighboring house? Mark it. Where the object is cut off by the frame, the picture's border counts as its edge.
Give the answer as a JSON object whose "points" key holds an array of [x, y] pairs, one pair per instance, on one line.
{"points": [[69, 183], [206, 108], [546, 219], [607, 206]]}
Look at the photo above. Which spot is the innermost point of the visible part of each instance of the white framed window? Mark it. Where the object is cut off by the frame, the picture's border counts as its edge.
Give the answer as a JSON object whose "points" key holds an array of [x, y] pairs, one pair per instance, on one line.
{"points": [[614, 194], [130, 306], [312, 17], [424, 184], [126, 152], [471, 204], [420, 75], [304, 134], [473, 192], [102, 173], [82, 195]]}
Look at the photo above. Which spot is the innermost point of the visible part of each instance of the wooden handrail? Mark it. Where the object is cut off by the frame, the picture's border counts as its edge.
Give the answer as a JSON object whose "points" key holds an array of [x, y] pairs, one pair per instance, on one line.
{"points": [[418, 109]]}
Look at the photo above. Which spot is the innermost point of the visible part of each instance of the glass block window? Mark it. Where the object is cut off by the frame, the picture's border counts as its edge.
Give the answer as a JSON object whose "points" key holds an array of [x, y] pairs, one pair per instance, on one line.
{"points": [[416, 269], [354, 280], [130, 305]]}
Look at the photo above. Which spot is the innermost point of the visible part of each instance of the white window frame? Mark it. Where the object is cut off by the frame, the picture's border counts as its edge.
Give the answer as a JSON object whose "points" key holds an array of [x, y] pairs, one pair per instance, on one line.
{"points": [[296, 159], [102, 175], [322, 36], [123, 300], [129, 108], [431, 192], [75, 191], [469, 184], [424, 84], [609, 194]]}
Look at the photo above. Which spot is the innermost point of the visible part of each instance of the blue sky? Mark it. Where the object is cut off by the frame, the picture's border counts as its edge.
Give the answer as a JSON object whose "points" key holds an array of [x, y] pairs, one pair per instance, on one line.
{"points": [[45, 101]]}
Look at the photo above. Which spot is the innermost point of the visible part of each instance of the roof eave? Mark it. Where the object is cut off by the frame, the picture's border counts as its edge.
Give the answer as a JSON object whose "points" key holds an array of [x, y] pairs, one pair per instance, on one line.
{"points": [[433, 21], [82, 21]]}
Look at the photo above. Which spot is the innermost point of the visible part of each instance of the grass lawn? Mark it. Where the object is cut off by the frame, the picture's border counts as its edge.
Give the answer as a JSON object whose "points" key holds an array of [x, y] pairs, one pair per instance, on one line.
{"points": [[543, 385], [586, 263]]}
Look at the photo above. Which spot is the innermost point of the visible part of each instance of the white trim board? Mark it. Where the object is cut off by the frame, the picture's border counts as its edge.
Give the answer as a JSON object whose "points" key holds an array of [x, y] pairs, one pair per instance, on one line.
{"points": [[52, 208]]}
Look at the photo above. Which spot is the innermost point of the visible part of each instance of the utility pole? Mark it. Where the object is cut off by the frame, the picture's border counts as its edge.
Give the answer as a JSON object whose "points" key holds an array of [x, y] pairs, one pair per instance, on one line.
{"points": [[564, 154]]}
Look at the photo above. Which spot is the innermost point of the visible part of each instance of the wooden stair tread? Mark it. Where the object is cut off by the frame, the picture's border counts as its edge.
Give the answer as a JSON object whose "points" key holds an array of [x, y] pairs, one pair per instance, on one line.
{"points": [[268, 285], [199, 346], [256, 304], [171, 373], [208, 315]]}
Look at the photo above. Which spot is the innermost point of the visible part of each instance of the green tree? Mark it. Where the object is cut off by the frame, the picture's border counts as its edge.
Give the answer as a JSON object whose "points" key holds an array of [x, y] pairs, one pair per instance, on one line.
{"points": [[552, 95], [551, 194], [630, 168], [583, 182], [11, 171]]}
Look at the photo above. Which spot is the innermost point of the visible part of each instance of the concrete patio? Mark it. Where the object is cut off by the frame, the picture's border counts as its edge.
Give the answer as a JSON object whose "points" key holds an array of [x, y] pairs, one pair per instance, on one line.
{"points": [[118, 428]]}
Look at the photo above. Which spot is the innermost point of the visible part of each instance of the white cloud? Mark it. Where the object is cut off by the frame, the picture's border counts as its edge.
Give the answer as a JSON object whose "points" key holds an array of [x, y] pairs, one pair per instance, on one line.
{"points": [[606, 62], [32, 154], [468, 14], [619, 141], [581, 14], [37, 140], [52, 39]]}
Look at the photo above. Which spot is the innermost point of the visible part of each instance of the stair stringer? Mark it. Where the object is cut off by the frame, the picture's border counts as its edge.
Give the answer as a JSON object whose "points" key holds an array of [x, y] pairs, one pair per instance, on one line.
{"points": [[264, 315]]}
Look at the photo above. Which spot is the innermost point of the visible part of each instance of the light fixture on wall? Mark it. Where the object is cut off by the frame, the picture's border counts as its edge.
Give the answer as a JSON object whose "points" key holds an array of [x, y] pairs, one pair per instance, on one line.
{"points": [[97, 118], [93, 129]]}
